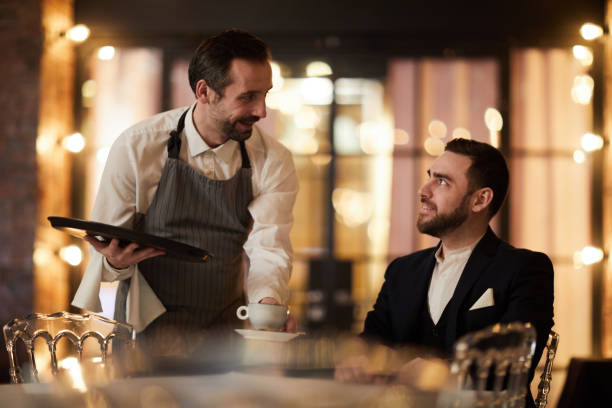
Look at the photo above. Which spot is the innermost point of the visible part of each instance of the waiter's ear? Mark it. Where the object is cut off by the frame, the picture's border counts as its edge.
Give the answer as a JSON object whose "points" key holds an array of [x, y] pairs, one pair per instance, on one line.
{"points": [[203, 92]]}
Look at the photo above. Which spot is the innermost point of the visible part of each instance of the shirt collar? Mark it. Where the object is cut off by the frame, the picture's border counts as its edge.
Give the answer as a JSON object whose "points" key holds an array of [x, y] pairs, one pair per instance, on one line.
{"points": [[455, 254], [197, 145]]}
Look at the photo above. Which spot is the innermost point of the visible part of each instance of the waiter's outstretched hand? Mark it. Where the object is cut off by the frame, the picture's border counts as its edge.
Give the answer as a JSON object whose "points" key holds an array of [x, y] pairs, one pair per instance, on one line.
{"points": [[121, 258], [290, 325]]}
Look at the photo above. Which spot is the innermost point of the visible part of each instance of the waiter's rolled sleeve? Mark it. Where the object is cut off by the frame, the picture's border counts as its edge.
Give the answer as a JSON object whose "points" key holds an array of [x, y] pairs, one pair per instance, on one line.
{"points": [[111, 274]]}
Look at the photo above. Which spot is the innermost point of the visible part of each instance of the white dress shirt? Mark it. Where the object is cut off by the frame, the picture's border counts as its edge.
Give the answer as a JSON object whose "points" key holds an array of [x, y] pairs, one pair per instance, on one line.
{"points": [[446, 274], [129, 183]]}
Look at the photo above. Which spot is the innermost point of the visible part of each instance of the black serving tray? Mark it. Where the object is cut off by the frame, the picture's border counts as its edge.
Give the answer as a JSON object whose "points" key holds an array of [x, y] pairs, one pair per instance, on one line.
{"points": [[105, 233]]}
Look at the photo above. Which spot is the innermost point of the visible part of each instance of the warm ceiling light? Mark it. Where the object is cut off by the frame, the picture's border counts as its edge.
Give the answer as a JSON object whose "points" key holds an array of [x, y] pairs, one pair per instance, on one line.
{"points": [[44, 143], [74, 143], [434, 146], [78, 33], [582, 90], [591, 255], [590, 31], [493, 120], [71, 254], [317, 91], [376, 137], [318, 68], [88, 89], [583, 54], [591, 142], [400, 137], [106, 53], [461, 133], [437, 128], [579, 156], [42, 256]]}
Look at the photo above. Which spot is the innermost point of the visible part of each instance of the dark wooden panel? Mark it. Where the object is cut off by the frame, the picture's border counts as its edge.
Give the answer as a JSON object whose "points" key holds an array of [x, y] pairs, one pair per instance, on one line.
{"points": [[525, 21]]}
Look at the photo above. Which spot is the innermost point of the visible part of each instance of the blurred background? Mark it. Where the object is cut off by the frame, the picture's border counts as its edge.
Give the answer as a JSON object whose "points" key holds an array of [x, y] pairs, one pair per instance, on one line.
{"points": [[365, 96]]}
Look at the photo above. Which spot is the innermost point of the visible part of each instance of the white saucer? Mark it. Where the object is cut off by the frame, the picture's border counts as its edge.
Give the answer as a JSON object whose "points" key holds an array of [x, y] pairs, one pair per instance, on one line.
{"points": [[266, 335]]}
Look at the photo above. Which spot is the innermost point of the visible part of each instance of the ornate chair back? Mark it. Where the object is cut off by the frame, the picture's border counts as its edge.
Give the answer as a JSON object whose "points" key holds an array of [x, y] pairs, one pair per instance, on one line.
{"points": [[54, 327], [495, 362], [546, 378]]}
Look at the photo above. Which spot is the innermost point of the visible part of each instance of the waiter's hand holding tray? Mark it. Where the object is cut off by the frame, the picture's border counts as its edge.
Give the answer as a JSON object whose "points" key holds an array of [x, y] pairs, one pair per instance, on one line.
{"points": [[105, 233]]}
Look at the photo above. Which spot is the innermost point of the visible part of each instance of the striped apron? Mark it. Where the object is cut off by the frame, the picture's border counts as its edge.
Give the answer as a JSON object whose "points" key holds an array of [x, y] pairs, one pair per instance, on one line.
{"points": [[210, 214]]}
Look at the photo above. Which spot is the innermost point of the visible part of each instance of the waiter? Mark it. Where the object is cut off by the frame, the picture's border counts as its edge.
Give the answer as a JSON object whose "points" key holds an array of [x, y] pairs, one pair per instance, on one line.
{"points": [[203, 175]]}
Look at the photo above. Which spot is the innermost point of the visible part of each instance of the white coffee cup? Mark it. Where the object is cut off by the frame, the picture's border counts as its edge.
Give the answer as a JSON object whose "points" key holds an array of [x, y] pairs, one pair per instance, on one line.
{"points": [[264, 316]]}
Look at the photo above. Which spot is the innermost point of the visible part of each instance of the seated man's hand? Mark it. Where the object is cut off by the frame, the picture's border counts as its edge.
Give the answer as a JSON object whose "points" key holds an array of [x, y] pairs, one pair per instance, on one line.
{"points": [[363, 363], [121, 258], [290, 325], [425, 374], [353, 369]]}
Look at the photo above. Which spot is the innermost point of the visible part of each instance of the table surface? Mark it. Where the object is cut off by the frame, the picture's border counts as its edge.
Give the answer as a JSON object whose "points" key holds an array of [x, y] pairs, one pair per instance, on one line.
{"points": [[232, 389]]}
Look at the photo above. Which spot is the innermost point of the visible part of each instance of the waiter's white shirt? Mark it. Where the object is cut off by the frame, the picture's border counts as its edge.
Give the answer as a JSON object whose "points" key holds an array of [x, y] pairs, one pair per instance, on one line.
{"points": [[129, 183], [447, 271]]}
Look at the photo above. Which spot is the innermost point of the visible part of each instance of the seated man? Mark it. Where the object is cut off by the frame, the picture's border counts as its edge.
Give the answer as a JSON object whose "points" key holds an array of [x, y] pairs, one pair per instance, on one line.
{"points": [[471, 279]]}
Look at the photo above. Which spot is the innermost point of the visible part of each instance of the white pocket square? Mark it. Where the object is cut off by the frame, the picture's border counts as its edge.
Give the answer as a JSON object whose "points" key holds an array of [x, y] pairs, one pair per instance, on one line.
{"points": [[485, 300]]}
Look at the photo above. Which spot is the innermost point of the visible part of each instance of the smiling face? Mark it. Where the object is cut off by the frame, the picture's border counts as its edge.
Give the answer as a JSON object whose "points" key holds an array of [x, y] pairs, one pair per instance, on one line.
{"points": [[242, 103], [445, 197]]}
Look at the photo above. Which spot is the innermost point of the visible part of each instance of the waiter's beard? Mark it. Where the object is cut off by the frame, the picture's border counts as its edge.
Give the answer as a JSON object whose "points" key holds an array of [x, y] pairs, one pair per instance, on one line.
{"points": [[230, 128], [443, 223]]}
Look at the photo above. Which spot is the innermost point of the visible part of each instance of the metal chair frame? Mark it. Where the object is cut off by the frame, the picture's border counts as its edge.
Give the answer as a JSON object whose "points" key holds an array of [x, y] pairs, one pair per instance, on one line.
{"points": [[507, 364], [546, 378], [28, 331]]}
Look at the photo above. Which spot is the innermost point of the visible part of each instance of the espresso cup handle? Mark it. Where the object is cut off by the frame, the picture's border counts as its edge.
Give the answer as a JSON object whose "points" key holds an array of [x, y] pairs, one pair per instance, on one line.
{"points": [[242, 312]]}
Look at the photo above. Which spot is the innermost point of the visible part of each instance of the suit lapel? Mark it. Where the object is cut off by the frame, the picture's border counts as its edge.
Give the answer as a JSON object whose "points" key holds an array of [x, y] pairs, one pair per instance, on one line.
{"points": [[481, 257], [418, 280]]}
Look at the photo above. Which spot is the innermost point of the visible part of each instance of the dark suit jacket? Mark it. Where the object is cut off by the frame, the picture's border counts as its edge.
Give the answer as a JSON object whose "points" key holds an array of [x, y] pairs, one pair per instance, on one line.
{"points": [[522, 283]]}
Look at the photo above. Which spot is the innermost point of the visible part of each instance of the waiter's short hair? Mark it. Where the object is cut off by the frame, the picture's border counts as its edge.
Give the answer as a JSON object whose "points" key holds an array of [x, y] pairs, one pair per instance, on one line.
{"points": [[488, 169], [211, 61]]}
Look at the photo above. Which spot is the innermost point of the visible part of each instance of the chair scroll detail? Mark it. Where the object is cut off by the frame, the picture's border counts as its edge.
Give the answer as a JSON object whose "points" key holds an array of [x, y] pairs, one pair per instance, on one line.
{"points": [[54, 327], [494, 362], [546, 378]]}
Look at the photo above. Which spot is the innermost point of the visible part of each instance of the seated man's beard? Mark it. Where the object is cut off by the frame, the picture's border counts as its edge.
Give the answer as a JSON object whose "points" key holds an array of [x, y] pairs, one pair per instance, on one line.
{"points": [[442, 223]]}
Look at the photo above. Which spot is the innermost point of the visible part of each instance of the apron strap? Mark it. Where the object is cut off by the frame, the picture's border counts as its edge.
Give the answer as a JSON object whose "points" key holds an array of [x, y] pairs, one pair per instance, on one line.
{"points": [[174, 143], [121, 300], [246, 163]]}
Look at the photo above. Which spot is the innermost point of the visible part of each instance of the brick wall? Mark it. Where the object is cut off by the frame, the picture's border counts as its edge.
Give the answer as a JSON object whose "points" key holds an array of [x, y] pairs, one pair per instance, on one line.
{"points": [[21, 44], [36, 97]]}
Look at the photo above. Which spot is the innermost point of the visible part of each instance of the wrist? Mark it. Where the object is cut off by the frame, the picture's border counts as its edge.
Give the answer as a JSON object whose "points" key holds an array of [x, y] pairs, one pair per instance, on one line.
{"points": [[117, 268]]}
